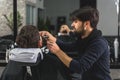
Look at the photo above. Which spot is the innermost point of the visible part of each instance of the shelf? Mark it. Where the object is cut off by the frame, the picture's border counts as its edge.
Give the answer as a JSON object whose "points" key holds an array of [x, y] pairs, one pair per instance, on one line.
{"points": [[115, 65]]}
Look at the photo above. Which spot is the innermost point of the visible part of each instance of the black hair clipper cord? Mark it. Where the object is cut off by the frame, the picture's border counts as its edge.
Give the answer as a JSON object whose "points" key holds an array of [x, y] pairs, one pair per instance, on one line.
{"points": [[44, 40]]}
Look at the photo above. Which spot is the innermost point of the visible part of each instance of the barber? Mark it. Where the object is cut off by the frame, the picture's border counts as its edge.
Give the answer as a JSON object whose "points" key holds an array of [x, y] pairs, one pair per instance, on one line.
{"points": [[93, 60]]}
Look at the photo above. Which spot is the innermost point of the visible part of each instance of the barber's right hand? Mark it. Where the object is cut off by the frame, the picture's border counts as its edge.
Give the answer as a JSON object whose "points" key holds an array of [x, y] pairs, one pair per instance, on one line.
{"points": [[53, 47], [51, 38]]}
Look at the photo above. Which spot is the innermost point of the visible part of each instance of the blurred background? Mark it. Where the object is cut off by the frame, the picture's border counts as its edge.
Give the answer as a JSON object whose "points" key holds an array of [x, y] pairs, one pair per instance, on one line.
{"points": [[50, 15]]}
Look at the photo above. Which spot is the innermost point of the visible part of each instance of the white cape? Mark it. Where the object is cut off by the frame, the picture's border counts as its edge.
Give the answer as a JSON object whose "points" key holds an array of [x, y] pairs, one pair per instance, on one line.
{"points": [[27, 55]]}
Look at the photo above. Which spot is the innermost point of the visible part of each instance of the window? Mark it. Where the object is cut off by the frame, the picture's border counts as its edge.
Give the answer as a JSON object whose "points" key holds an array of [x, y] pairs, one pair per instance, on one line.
{"points": [[30, 14], [41, 13]]}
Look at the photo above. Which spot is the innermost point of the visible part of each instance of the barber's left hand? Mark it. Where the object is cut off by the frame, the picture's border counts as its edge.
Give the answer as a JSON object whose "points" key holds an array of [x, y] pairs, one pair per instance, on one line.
{"points": [[50, 36]]}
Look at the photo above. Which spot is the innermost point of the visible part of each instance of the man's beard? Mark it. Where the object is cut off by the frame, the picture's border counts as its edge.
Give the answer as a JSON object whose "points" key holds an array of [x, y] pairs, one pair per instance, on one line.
{"points": [[77, 34]]}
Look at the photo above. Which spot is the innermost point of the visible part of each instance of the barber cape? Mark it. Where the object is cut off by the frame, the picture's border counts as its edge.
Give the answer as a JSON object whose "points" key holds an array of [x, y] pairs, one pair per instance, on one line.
{"points": [[26, 55]]}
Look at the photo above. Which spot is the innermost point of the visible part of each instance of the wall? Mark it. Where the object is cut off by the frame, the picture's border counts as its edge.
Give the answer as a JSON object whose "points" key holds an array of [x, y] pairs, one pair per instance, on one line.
{"points": [[108, 15], [3, 28], [40, 4], [37, 4], [55, 8], [6, 7]]}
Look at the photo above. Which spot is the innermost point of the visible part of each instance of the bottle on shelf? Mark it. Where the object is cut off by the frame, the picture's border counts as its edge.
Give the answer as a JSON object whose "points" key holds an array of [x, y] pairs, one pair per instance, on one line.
{"points": [[116, 46]]}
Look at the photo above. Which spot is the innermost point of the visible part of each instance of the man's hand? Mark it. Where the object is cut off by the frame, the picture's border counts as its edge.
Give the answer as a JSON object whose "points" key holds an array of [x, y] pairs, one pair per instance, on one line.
{"points": [[53, 47], [51, 38]]}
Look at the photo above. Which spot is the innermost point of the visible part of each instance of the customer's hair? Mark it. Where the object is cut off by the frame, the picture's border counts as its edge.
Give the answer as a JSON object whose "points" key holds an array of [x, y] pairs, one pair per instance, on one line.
{"points": [[28, 37], [86, 14]]}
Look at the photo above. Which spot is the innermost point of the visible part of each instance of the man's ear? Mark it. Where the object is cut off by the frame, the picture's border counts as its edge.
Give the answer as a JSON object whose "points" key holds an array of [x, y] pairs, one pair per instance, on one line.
{"points": [[87, 23]]}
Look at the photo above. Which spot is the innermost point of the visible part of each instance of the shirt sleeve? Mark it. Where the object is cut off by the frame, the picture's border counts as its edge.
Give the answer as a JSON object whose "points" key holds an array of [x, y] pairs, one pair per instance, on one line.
{"points": [[93, 52], [67, 46]]}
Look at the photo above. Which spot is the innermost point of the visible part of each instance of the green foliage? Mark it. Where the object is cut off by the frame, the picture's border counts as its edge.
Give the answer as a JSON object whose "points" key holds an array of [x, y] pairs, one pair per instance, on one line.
{"points": [[9, 19], [43, 25]]}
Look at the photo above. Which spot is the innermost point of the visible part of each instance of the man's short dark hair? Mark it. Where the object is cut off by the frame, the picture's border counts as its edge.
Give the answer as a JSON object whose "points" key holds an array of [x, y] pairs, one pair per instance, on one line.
{"points": [[86, 14]]}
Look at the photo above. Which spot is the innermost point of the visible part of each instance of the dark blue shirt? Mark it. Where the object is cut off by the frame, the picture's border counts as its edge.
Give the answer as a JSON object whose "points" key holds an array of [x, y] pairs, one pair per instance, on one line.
{"points": [[93, 60]]}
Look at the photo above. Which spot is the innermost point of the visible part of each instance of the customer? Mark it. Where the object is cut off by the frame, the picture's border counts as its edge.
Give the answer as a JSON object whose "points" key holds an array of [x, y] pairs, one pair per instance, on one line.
{"points": [[93, 60], [14, 70], [49, 68]]}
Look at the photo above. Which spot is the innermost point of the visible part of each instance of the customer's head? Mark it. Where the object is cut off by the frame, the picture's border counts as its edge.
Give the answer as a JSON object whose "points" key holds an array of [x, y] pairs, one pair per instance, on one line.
{"points": [[86, 14], [29, 37]]}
